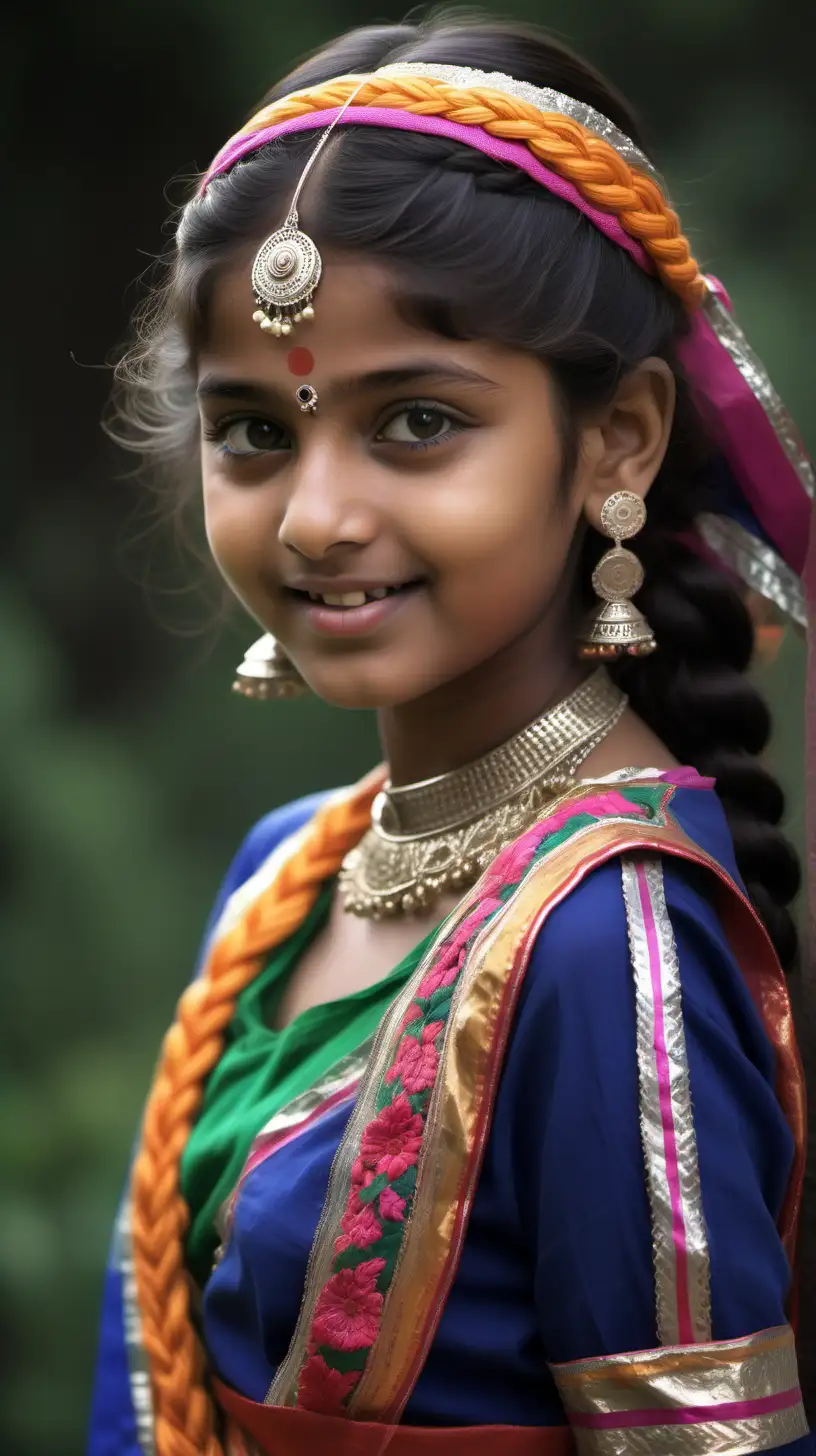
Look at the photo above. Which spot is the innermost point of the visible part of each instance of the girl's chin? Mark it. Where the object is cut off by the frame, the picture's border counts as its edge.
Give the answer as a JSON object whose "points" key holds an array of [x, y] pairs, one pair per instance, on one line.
{"points": [[371, 697], [347, 687]]}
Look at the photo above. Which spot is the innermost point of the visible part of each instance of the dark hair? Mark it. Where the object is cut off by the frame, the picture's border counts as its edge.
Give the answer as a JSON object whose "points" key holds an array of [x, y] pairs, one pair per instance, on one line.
{"points": [[487, 253]]}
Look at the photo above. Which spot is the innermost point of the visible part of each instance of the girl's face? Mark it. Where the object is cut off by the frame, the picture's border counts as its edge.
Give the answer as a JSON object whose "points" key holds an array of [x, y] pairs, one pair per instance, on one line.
{"points": [[424, 494]]}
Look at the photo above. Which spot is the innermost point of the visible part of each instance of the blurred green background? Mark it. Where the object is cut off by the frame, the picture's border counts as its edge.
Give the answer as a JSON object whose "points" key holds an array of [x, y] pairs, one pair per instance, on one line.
{"points": [[129, 773]]}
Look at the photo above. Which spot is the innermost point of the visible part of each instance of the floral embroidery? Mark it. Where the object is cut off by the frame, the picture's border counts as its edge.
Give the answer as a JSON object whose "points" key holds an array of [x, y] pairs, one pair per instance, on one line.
{"points": [[360, 1226], [391, 1205], [449, 961], [441, 974], [391, 1143], [383, 1179], [322, 1389], [347, 1310], [361, 1176], [417, 1059]]}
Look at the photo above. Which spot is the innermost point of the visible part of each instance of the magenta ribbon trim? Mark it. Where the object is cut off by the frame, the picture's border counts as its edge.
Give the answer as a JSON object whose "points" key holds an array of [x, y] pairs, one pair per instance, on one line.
{"points": [[747, 439], [686, 778], [689, 1415], [516, 153]]}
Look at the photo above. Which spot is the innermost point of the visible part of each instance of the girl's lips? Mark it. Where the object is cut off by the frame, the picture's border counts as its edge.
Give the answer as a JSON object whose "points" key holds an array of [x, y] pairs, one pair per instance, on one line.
{"points": [[355, 621]]}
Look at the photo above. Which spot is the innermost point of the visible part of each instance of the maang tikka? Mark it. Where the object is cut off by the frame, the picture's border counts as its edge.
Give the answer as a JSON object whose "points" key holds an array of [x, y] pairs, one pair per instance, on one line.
{"points": [[287, 266], [617, 627]]}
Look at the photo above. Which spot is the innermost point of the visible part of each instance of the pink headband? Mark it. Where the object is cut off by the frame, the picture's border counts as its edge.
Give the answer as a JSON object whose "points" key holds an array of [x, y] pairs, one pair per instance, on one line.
{"points": [[515, 153], [763, 536]]}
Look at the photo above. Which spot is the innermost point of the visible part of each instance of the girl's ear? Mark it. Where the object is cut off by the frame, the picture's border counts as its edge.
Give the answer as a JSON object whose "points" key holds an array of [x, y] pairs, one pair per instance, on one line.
{"points": [[623, 448]]}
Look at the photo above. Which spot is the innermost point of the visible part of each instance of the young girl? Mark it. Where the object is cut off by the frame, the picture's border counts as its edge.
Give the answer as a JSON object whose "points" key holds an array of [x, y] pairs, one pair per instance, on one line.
{"points": [[481, 1127]]}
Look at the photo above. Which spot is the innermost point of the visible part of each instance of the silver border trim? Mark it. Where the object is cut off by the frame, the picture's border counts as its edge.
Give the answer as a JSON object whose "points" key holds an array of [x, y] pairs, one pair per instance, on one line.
{"points": [[730, 336], [659, 1015], [138, 1364], [756, 563], [543, 98]]}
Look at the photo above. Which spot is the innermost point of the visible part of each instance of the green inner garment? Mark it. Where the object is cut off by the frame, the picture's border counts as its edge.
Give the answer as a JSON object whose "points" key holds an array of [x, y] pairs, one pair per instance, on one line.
{"points": [[262, 1069]]}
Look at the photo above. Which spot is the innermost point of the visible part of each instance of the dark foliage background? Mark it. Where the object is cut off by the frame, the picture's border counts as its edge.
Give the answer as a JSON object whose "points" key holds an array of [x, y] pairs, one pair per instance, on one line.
{"points": [[129, 773]]}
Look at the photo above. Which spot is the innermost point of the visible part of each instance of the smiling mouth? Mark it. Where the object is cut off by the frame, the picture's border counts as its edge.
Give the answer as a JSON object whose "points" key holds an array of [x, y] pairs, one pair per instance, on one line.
{"points": [[346, 601]]}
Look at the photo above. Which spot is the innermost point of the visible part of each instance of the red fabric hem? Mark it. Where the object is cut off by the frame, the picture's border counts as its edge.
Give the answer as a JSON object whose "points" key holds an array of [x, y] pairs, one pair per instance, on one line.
{"points": [[283, 1431]]}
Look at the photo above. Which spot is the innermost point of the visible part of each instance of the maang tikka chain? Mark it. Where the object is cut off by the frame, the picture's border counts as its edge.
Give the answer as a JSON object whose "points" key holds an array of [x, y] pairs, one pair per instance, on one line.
{"points": [[287, 266]]}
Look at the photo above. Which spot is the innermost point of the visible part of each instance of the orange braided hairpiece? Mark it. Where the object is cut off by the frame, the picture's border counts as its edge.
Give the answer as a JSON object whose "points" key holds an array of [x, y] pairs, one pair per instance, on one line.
{"points": [[183, 1409], [588, 161]]}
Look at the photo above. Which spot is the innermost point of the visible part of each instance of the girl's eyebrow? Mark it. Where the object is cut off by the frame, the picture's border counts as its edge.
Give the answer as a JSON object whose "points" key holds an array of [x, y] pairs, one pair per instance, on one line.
{"points": [[263, 394]]}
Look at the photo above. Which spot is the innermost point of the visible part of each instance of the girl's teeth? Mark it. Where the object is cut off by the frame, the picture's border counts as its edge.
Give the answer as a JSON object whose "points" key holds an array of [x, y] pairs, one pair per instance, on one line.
{"points": [[345, 599], [352, 599]]}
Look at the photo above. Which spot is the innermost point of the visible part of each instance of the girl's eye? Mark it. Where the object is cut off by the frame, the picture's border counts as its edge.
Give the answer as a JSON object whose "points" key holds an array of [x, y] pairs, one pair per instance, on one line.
{"points": [[247, 436], [419, 424]]}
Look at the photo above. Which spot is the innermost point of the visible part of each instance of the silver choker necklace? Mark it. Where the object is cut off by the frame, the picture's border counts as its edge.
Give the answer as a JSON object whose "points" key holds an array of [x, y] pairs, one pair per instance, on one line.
{"points": [[440, 834]]}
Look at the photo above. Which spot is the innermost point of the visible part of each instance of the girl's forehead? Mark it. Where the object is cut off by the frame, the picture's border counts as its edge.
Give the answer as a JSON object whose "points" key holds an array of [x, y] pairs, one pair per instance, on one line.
{"points": [[363, 320], [358, 296]]}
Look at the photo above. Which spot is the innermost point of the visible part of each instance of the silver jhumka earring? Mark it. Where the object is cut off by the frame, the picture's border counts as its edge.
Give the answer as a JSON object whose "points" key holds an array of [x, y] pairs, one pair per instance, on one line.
{"points": [[266, 672], [617, 626]]}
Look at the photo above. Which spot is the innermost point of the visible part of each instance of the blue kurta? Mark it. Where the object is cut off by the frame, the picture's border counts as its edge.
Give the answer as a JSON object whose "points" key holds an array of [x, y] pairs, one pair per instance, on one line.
{"points": [[557, 1261]]}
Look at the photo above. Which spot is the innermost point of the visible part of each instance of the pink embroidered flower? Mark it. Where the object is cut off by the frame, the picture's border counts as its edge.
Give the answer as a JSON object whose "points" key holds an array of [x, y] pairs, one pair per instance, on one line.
{"points": [[446, 969], [392, 1206], [322, 1389], [417, 1060], [361, 1176], [348, 1308], [391, 1144], [442, 974], [360, 1226], [509, 865]]}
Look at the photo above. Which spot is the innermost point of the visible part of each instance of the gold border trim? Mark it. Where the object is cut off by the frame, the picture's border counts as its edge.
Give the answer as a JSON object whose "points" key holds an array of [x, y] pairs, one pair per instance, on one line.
{"points": [[674, 1192], [719, 1370]]}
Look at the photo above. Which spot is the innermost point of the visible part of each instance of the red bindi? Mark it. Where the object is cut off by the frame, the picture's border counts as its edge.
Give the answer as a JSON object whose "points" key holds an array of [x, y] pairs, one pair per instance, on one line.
{"points": [[300, 361]]}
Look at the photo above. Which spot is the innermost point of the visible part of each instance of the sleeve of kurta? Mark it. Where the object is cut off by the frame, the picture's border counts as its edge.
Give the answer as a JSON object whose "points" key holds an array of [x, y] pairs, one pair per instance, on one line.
{"points": [[652, 1158]]}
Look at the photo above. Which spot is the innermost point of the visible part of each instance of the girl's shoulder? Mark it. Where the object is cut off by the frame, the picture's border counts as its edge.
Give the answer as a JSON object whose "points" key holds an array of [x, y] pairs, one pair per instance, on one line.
{"points": [[635, 916]]}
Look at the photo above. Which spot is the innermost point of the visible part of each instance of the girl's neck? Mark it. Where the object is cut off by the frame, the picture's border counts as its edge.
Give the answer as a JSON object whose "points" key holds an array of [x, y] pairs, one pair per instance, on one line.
{"points": [[466, 718]]}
